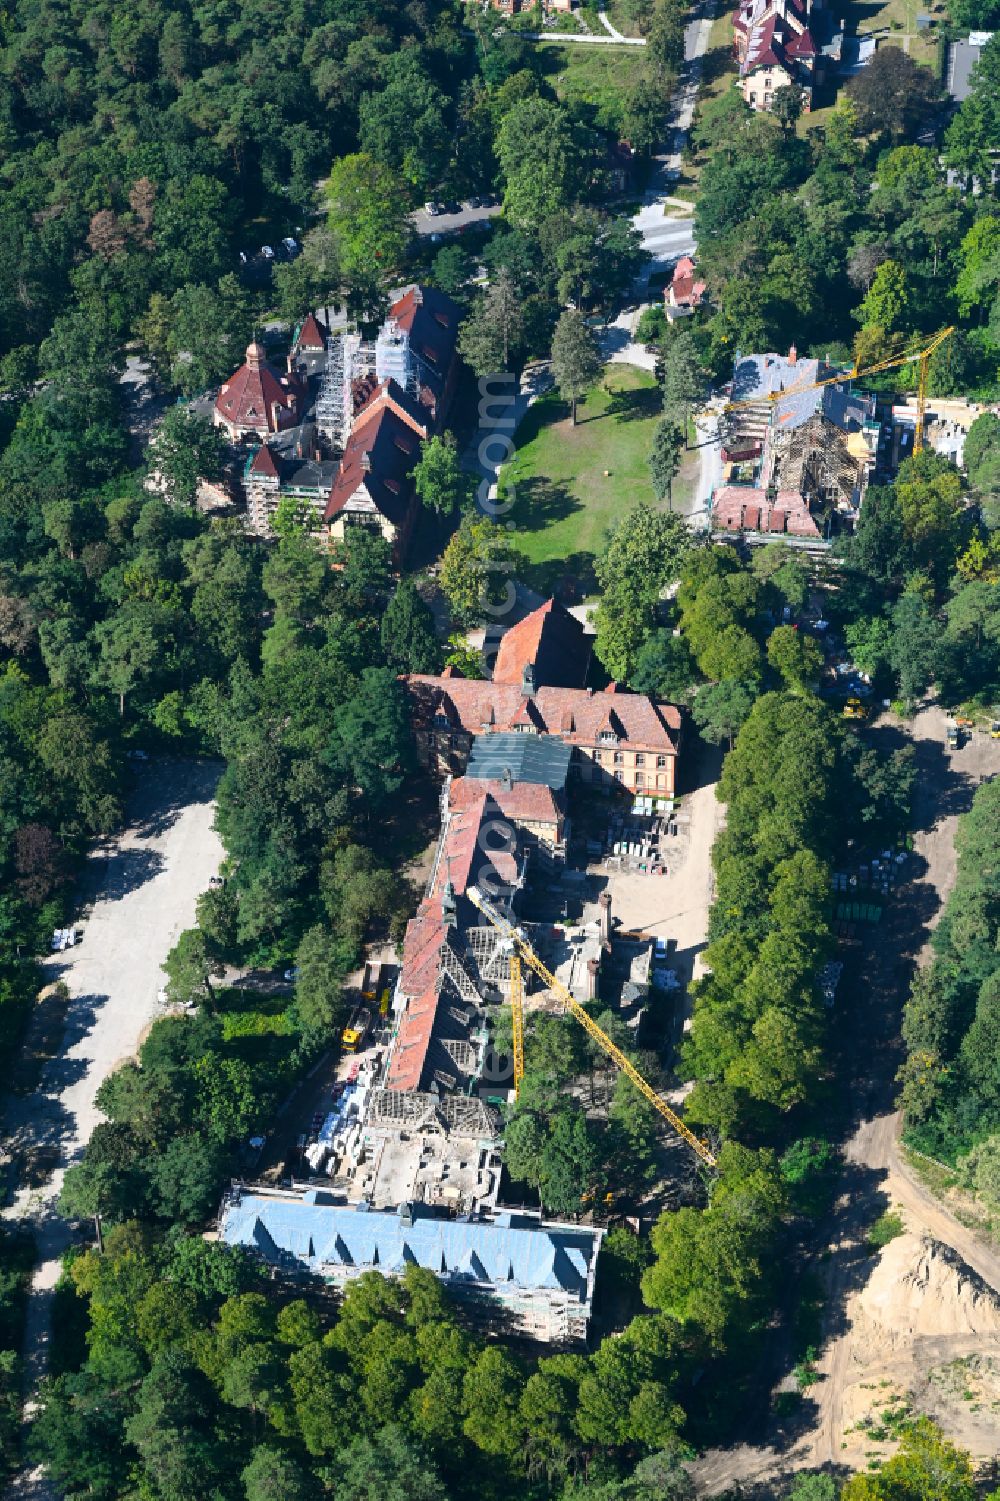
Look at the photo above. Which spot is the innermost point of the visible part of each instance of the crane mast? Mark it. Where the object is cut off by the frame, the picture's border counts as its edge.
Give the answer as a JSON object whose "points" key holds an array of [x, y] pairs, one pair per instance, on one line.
{"points": [[523, 953], [517, 1016]]}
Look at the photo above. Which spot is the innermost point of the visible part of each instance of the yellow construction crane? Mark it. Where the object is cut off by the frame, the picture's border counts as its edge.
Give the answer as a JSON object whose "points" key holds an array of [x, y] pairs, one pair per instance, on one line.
{"points": [[858, 373], [521, 952], [517, 1018]]}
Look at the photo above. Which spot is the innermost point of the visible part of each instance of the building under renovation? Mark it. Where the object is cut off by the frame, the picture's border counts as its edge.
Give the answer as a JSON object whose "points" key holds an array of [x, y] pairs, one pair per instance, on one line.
{"points": [[798, 446], [515, 1273], [410, 1152]]}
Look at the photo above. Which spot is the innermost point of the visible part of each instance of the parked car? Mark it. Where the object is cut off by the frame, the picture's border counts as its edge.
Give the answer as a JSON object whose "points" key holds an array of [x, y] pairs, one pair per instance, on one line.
{"points": [[433, 209], [291, 245], [291, 975], [267, 251]]}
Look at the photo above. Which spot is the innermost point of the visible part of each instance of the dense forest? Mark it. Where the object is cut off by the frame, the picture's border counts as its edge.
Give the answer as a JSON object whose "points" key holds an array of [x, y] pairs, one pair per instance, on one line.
{"points": [[950, 1088], [852, 239], [144, 148]]}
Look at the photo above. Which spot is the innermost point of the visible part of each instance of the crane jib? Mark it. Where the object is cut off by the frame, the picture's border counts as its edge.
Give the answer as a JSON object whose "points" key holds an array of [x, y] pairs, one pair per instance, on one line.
{"points": [[523, 953]]}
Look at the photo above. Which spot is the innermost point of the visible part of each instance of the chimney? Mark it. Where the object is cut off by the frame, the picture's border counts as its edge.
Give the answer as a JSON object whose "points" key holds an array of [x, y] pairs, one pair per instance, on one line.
{"points": [[288, 363], [528, 678], [593, 970], [604, 915], [507, 779], [793, 354]]}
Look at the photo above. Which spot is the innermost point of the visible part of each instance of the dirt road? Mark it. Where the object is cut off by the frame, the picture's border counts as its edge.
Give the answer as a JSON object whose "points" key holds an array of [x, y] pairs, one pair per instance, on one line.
{"points": [[142, 889], [876, 1177]]}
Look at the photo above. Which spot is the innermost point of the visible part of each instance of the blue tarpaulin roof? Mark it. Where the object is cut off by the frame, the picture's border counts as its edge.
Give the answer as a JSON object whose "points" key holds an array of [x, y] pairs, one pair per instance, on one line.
{"points": [[308, 1235]]}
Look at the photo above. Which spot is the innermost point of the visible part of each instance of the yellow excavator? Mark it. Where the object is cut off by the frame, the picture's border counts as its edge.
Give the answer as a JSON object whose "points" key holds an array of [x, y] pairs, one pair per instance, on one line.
{"points": [[521, 953]]}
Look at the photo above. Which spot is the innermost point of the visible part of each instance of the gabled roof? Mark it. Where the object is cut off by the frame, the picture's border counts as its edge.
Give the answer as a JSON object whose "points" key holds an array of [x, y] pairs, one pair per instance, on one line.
{"points": [[313, 334], [684, 287], [431, 321], [551, 642], [249, 397], [264, 463], [389, 393], [645, 724], [380, 456], [521, 802]]}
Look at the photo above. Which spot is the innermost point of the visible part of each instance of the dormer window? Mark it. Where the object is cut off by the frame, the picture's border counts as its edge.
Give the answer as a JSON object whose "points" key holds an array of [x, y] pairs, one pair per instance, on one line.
{"points": [[608, 737]]}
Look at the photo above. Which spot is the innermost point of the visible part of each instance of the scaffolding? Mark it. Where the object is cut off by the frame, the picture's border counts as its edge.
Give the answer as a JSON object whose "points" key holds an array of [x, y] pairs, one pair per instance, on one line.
{"points": [[347, 357], [459, 976], [458, 1115]]}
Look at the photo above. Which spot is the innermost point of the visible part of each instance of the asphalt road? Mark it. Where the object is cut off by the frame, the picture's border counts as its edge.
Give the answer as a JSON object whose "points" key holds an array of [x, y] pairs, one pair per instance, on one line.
{"points": [[141, 890], [449, 224]]}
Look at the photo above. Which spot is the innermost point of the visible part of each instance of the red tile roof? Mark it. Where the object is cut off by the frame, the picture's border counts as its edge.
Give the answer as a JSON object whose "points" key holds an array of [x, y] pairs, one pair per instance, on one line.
{"points": [[551, 642], [431, 320], [472, 705], [264, 463], [313, 334], [739, 508], [380, 456], [469, 845], [522, 802], [388, 393], [249, 398], [685, 291]]}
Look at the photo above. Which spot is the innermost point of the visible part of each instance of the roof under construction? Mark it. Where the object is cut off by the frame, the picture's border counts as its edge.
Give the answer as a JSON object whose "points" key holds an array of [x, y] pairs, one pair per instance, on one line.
{"points": [[541, 759]]}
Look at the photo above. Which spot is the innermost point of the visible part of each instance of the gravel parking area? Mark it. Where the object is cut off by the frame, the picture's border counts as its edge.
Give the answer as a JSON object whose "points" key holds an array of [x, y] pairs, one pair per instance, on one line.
{"points": [[141, 890]]}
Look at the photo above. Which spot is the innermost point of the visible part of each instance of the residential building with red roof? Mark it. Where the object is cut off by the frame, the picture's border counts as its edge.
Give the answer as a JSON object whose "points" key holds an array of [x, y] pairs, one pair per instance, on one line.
{"points": [[548, 647], [311, 336], [439, 985], [776, 47], [538, 811], [258, 399], [373, 483], [425, 322], [619, 741], [684, 290]]}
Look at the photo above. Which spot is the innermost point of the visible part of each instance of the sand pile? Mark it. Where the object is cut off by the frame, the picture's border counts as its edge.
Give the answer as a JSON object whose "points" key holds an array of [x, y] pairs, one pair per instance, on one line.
{"points": [[921, 1287]]}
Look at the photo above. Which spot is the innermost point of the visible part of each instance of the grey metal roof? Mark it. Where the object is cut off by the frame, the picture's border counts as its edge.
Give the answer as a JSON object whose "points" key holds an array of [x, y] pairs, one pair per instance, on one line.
{"points": [[542, 759], [765, 375], [312, 1234], [962, 58]]}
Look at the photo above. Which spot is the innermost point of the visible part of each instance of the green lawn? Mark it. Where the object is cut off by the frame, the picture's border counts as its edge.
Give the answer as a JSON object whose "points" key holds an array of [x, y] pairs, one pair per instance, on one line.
{"points": [[565, 500], [900, 16], [601, 77]]}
